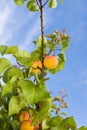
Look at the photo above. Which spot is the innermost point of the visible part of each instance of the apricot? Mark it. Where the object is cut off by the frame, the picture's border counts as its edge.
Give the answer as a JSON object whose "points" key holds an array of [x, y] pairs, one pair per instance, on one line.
{"points": [[23, 115], [36, 67], [50, 62], [26, 125]]}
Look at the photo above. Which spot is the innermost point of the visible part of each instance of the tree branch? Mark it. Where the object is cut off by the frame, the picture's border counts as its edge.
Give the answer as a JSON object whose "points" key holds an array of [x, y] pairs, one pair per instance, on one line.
{"points": [[38, 3], [45, 3], [42, 35]]}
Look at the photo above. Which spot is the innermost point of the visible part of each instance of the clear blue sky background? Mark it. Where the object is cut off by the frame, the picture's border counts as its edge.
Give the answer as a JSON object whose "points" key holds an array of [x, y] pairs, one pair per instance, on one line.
{"points": [[19, 27]]}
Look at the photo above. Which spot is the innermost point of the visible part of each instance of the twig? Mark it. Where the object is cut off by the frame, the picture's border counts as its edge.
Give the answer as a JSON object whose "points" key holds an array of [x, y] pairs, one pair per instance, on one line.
{"points": [[45, 3], [37, 3]]}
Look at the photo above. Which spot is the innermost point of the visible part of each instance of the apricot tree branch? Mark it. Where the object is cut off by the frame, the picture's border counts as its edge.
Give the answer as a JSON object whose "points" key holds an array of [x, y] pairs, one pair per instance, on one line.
{"points": [[42, 35]]}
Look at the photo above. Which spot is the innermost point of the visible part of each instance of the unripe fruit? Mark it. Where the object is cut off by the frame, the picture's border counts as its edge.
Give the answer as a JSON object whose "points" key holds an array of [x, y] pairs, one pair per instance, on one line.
{"points": [[23, 115], [26, 125], [50, 62], [36, 67]]}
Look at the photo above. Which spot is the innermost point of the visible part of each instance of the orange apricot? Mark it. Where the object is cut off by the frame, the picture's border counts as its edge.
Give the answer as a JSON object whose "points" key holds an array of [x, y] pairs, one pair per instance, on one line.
{"points": [[26, 125], [36, 67], [23, 115], [50, 62]]}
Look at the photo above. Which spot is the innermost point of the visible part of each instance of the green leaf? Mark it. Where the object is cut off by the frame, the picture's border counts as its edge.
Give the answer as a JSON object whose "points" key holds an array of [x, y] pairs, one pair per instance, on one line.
{"points": [[15, 125], [64, 46], [32, 6], [45, 124], [4, 64], [39, 41], [43, 112], [51, 45], [19, 2], [33, 93], [23, 58], [62, 57], [65, 39], [53, 3], [7, 89], [12, 72], [82, 128], [68, 123], [55, 121], [35, 55], [63, 113], [3, 48], [11, 50], [15, 105]]}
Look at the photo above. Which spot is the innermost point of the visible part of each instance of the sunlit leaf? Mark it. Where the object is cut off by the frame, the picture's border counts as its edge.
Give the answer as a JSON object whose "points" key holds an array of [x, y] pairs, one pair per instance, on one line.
{"points": [[33, 93], [11, 50], [15, 105], [19, 2], [55, 121], [65, 39], [68, 123], [63, 113], [45, 123], [64, 46], [4, 64], [53, 3], [3, 48], [39, 41], [50, 45], [32, 6], [23, 58], [7, 89], [82, 128], [62, 57], [12, 72], [35, 55]]}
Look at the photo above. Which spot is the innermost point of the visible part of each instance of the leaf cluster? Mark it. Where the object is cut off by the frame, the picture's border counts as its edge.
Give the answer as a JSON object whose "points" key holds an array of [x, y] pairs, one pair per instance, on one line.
{"points": [[22, 90], [34, 5]]}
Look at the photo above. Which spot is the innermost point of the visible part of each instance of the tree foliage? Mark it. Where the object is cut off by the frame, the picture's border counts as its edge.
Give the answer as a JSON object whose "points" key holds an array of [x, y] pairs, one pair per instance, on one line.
{"points": [[20, 89]]}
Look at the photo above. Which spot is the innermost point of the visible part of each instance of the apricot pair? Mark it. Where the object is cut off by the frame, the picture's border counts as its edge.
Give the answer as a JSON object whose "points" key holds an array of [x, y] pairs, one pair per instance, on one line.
{"points": [[25, 121], [50, 62]]}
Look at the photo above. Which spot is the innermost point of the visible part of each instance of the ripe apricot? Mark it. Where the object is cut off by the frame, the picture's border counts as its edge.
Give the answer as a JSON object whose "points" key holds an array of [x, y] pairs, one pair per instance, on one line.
{"points": [[36, 67], [50, 62], [26, 125], [23, 115]]}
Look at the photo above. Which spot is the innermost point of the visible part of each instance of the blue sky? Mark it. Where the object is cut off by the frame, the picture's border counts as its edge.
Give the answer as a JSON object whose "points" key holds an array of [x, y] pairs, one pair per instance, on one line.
{"points": [[20, 27]]}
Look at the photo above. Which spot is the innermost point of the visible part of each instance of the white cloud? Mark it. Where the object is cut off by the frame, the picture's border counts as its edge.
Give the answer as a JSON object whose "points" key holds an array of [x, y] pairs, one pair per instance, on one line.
{"points": [[21, 29], [32, 32], [10, 22], [6, 12]]}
